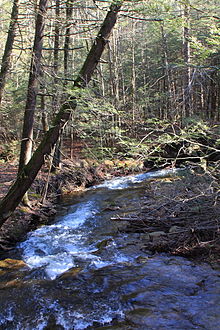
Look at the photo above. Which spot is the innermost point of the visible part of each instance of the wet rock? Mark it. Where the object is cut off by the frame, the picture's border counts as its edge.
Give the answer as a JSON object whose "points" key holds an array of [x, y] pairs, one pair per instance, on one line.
{"points": [[142, 259], [175, 229], [103, 244], [156, 234], [138, 315], [11, 284], [112, 208], [73, 272], [11, 264], [145, 237], [52, 324], [8, 270]]}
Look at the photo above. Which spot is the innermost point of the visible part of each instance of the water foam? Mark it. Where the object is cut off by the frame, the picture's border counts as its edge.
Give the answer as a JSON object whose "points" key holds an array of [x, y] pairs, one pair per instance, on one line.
{"points": [[130, 180], [63, 245], [55, 247]]}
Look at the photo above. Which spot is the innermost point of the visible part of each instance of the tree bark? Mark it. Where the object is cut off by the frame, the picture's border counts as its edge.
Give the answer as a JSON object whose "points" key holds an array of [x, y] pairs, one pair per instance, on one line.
{"points": [[6, 60], [98, 46], [56, 50], [26, 177], [56, 41], [133, 75], [186, 58], [44, 119], [69, 13], [35, 71], [55, 104], [168, 77]]}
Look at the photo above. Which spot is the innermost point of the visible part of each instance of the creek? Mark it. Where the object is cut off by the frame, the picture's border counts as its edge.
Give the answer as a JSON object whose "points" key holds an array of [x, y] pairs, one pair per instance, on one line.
{"points": [[83, 272]]}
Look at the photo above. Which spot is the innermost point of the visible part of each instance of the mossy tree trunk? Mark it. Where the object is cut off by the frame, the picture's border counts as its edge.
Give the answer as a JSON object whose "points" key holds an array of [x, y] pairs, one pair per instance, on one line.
{"points": [[26, 177]]}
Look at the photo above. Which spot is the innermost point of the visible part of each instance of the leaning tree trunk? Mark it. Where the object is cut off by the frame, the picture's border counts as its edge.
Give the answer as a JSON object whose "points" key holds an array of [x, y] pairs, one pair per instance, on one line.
{"points": [[26, 177], [6, 59], [35, 72]]}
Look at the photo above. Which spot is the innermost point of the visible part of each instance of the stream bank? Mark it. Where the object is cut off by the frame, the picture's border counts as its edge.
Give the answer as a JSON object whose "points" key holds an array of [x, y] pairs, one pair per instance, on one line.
{"points": [[84, 271], [180, 216], [72, 177], [177, 215]]}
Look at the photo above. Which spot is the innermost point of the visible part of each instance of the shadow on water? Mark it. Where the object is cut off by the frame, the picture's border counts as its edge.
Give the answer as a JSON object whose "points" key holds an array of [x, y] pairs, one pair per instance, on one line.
{"points": [[83, 273]]}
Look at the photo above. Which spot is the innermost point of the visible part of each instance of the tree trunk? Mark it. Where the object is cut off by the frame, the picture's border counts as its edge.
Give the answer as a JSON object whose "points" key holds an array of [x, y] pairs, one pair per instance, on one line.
{"points": [[133, 76], [55, 105], [212, 97], [69, 13], [56, 68], [98, 46], [56, 163], [168, 76], [26, 177], [35, 71], [44, 119], [186, 58], [6, 60]]}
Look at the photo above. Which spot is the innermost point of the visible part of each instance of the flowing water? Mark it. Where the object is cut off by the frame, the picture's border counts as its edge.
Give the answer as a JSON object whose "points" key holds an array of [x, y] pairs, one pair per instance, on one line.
{"points": [[83, 273]]}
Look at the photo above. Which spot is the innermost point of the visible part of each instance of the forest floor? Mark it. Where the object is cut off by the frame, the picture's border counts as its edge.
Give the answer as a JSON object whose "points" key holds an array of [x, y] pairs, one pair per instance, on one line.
{"points": [[178, 215]]}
